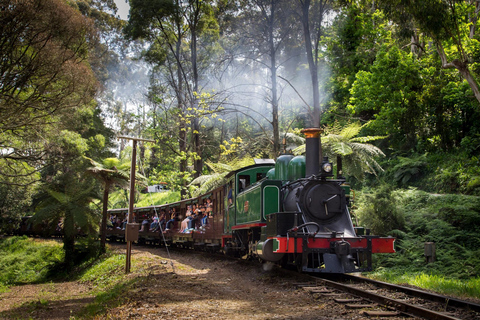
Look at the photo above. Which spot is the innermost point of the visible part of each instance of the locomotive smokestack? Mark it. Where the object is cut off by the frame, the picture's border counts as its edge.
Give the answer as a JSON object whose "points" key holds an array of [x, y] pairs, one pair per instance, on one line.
{"points": [[313, 149]]}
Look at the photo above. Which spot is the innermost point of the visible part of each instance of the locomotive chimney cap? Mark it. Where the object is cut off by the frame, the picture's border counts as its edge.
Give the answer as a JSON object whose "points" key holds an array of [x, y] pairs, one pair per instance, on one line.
{"points": [[312, 132]]}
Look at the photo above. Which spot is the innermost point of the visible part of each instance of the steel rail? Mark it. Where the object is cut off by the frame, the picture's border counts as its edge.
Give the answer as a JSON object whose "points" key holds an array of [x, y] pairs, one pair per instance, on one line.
{"points": [[405, 308], [448, 301]]}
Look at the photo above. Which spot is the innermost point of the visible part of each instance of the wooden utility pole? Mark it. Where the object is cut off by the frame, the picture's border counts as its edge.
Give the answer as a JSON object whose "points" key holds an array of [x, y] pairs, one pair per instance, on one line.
{"points": [[131, 231]]}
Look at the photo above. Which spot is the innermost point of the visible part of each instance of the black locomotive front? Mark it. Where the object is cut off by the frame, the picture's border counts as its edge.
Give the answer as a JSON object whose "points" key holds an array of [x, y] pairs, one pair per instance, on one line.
{"points": [[314, 230]]}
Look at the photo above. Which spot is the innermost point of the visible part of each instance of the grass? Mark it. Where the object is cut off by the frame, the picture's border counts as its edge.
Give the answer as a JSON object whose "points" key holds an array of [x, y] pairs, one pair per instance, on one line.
{"points": [[119, 199], [105, 272], [462, 288], [25, 260], [110, 283], [157, 198], [109, 298]]}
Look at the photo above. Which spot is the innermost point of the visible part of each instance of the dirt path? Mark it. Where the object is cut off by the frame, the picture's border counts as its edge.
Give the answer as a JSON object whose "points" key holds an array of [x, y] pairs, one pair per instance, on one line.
{"points": [[199, 287]]}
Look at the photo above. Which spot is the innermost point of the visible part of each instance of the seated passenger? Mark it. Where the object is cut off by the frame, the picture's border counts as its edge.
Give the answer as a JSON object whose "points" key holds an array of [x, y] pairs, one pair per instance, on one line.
{"points": [[209, 207], [188, 217], [162, 220], [145, 224], [196, 217], [170, 223], [154, 226]]}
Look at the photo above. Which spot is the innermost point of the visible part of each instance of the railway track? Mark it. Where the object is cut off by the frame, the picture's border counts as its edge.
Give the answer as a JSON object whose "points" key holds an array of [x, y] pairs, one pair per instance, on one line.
{"points": [[379, 299], [359, 295]]}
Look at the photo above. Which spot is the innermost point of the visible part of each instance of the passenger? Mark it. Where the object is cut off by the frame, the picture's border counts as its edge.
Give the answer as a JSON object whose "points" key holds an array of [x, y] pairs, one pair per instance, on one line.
{"points": [[207, 212], [209, 206], [125, 221], [196, 216], [59, 227], [145, 224], [154, 226], [171, 222], [163, 219], [118, 223], [188, 217]]}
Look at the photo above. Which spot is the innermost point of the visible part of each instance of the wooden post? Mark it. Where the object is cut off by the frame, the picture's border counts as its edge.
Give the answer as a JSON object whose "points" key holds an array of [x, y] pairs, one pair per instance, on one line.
{"points": [[429, 252], [129, 235]]}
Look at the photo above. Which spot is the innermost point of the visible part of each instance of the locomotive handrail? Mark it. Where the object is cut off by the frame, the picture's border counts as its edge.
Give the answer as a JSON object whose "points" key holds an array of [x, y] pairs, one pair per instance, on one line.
{"points": [[294, 229]]}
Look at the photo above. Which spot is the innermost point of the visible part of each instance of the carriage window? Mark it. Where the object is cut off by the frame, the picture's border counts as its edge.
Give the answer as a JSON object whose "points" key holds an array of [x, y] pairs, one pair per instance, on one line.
{"points": [[243, 182]]}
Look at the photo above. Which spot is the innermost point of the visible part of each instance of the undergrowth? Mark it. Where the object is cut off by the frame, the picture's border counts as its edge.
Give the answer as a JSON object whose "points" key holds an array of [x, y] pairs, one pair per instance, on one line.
{"points": [[108, 279], [25, 260], [451, 221]]}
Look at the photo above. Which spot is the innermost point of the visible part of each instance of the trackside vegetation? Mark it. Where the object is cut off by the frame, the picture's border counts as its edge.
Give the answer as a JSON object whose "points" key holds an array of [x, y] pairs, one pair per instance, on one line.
{"points": [[26, 260], [414, 217]]}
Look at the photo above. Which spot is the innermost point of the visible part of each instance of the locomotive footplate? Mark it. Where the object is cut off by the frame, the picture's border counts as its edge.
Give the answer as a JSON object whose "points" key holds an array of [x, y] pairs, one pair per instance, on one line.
{"points": [[370, 243], [333, 255]]}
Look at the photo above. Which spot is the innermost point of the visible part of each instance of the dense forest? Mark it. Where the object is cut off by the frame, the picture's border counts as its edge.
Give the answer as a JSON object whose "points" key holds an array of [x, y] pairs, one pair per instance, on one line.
{"points": [[216, 83]]}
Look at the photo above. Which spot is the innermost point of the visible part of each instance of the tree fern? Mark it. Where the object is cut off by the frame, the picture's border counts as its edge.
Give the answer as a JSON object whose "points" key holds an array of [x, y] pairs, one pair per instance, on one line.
{"points": [[359, 156], [217, 177]]}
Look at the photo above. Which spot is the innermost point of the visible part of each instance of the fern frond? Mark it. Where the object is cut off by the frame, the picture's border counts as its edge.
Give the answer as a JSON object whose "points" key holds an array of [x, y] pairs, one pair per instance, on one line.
{"points": [[351, 131], [299, 150], [367, 139], [293, 138]]}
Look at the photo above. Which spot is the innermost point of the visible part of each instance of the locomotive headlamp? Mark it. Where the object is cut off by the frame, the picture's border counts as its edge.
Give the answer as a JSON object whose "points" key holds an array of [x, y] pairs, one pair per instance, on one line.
{"points": [[327, 167]]}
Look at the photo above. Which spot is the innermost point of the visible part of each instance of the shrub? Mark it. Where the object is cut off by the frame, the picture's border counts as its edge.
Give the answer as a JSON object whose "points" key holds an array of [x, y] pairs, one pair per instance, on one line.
{"points": [[379, 211]]}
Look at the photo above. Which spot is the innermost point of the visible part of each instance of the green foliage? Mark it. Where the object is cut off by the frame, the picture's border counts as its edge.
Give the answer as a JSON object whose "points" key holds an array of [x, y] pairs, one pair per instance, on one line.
{"points": [[379, 211], [450, 221], [26, 261], [437, 283], [352, 44], [388, 95], [219, 171], [457, 174], [157, 198], [359, 156], [408, 170]]}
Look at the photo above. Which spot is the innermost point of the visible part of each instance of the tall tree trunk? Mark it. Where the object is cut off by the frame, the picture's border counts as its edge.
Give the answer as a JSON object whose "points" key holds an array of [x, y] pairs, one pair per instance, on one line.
{"points": [[182, 133], [273, 72], [312, 66], [198, 164]]}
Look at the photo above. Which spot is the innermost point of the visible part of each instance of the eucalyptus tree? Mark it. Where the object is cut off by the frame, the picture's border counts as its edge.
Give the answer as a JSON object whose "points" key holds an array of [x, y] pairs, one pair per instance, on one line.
{"points": [[313, 15], [265, 30], [179, 34], [451, 26]]}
